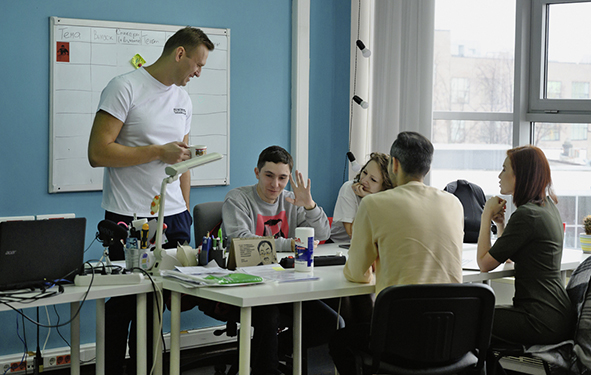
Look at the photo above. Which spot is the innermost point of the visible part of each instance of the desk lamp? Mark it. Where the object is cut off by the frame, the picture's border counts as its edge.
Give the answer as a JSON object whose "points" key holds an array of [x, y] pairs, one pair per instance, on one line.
{"points": [[174, 171]]}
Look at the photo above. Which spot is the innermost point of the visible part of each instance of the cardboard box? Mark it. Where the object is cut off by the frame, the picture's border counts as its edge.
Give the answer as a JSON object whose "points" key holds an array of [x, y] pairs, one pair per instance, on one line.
{"points": [[245, 252]]}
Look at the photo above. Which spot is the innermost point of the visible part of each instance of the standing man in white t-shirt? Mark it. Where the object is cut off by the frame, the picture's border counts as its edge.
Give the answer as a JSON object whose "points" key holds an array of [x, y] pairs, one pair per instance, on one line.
{"points": [[141, 126]]}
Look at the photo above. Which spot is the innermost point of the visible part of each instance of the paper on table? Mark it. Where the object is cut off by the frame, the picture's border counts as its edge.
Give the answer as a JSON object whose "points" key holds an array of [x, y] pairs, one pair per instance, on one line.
{"points": [[469, 264], [210, 269], [189, 281], [274, 272], [228, 279]]}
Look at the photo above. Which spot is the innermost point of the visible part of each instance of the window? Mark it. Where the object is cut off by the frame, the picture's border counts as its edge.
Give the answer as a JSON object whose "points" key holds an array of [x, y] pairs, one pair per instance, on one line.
{"points": [[579, 132], [561, 41], [473, 90], [475, 40], [560, 37], [460, 91], [554, 90], [547, 132], [473, 55], [580, 90]]}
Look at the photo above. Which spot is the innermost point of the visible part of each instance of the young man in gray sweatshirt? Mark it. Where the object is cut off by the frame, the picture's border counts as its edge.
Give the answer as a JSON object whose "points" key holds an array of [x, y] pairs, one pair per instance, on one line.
{"points": [[266, 209]]}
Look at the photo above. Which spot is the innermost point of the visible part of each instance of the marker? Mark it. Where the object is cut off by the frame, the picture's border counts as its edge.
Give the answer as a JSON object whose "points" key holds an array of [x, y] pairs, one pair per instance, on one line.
{"points": [[144, 239], [204, 254]]}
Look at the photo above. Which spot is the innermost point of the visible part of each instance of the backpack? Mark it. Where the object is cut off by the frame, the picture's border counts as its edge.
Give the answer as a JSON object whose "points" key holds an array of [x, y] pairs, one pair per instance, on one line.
{"points": [[473, 200]]}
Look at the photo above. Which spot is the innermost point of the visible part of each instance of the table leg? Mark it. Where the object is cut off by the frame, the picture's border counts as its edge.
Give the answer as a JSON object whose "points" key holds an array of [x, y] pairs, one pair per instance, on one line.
{"points": [[100, 336], [156, 339], [75, 339], [297, 338], [141, 321], [245, 328], [175, 333]]}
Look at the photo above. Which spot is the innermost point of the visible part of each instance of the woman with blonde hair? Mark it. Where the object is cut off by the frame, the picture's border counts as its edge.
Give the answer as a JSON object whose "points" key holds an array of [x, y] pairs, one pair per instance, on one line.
{"points": [[372, 178]]}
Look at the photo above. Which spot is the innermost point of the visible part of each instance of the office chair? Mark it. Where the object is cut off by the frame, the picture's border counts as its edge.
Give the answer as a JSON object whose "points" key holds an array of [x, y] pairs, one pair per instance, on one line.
{"points": [[433, 329], [473, 199], [572, 356]]}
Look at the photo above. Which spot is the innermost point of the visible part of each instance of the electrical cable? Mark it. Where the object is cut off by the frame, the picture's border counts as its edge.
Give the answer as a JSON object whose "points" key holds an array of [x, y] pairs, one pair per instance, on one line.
{"points": [[57, 328], [93, 241], [23, 296], [159, 302], [48, 330], [35, 298]]}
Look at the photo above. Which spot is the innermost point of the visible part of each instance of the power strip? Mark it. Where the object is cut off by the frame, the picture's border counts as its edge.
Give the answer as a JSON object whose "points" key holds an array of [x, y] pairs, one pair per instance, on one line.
{"points": [[129, 278]]}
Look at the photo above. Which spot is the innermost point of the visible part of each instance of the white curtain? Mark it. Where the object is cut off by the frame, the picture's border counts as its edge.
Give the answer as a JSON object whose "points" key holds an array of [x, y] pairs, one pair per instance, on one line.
{"points": [[400, 72]]}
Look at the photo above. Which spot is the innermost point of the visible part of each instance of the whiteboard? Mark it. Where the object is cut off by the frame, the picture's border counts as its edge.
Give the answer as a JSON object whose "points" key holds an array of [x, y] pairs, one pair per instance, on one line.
{"points": [[86, 54]]}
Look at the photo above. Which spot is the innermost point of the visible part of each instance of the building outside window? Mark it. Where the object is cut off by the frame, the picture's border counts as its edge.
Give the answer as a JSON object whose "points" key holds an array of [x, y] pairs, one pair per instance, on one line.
{"points": [[580, 90], [552, 111], [554, 90], [460, 91]]}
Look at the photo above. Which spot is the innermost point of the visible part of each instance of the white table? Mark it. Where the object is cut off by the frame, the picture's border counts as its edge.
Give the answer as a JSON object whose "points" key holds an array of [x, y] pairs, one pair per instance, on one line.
{"points": [[331, 284], [571, 258], [74, 295]]}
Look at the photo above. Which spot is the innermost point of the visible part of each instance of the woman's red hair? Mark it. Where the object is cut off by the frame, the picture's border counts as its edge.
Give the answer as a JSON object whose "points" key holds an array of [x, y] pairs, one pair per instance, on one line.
{"points": [[533, 180]]}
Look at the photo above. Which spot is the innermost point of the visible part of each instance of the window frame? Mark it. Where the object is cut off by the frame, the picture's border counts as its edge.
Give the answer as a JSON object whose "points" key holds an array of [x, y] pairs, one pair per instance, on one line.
{"points": [[538, 68]]}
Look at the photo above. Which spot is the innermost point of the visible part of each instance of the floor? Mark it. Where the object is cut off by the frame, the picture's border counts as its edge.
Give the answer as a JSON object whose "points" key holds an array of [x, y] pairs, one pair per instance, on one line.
{"points": [[319, 364]]}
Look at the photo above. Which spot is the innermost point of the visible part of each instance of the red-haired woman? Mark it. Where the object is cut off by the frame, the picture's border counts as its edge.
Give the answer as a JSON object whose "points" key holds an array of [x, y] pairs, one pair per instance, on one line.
{"points": [[541, 312]]}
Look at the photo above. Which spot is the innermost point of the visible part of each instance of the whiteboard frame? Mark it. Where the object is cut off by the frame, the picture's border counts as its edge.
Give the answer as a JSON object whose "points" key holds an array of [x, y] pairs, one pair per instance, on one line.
{"points": [[55, 186]]}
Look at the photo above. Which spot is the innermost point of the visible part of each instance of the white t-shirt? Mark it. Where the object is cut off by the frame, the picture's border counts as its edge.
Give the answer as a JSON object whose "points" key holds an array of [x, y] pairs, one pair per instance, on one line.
{"points": [[152, 113], [344, 212]]}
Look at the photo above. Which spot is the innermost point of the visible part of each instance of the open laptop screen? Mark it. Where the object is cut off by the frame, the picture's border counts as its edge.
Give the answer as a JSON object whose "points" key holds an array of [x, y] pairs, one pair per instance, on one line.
{"points": [[36, 251]]}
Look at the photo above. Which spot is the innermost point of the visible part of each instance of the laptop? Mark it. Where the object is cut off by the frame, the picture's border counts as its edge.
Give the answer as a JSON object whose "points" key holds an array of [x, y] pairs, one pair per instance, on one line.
{"points": [[33, 252]]}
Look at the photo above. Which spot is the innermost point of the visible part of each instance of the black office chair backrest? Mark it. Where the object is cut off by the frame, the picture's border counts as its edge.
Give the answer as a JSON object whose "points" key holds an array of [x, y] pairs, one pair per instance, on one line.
{"points": [[473, 200], [206, 217], [431, 323]]}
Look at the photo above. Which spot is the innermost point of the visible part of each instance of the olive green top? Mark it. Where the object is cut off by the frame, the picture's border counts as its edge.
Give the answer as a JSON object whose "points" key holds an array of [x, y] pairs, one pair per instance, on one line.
{"points": [[533, 241]]}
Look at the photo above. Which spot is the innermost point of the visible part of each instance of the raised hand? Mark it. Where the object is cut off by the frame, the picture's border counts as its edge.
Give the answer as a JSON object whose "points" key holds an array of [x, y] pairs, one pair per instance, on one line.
{"points": [[302, 193]]}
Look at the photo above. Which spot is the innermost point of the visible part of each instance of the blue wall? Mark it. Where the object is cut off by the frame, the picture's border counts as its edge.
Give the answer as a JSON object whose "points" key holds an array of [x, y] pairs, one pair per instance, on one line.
{"points": [[260, 108]]}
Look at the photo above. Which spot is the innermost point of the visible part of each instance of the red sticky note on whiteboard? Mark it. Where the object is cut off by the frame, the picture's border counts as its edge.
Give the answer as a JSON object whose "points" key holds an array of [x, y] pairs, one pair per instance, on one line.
{"points": [[63, 51]]}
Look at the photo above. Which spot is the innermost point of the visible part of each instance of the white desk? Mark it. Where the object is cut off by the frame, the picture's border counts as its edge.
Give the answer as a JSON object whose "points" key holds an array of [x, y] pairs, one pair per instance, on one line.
{"points": [[74, 295], [331, 284], [571, 258]]}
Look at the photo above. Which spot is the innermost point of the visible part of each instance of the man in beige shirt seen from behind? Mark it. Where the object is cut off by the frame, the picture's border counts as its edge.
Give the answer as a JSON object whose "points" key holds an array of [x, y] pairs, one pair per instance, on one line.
{"points": [[413, 233]]}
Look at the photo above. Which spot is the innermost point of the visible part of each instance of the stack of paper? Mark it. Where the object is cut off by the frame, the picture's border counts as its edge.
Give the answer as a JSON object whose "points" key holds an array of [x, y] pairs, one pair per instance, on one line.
{"points": [[274, 272]]}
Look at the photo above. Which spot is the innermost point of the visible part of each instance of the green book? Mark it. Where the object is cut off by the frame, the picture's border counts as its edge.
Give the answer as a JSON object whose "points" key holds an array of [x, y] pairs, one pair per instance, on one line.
{"points": [[233, 278]]}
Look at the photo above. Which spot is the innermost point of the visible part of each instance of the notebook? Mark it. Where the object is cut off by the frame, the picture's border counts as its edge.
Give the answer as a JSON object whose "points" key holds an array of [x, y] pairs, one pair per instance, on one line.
{"points": [[35, 251]]}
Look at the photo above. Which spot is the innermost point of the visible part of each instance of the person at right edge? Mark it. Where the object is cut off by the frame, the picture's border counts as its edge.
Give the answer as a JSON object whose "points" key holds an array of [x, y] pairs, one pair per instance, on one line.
{"points": [[532, 238]]}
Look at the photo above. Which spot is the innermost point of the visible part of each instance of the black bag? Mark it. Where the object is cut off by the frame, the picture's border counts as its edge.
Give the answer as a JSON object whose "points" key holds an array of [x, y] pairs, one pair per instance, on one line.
{"points": [[473, 200]]}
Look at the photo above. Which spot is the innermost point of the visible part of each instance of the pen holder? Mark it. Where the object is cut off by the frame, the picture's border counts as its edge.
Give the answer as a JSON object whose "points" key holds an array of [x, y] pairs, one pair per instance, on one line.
{"points": [[132, 258], [218, 256]]}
